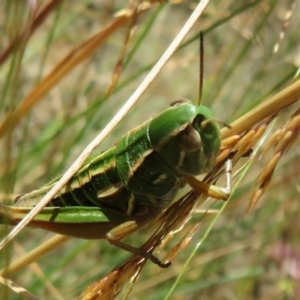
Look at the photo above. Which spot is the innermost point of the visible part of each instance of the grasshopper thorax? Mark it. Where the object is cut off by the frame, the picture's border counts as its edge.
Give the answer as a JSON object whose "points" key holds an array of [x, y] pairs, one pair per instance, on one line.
{"points": [[186, 137]]}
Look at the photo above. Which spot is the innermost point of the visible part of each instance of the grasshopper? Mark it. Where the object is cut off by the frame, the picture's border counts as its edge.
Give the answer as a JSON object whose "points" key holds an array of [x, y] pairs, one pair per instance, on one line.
{"points": [[127, 186]]}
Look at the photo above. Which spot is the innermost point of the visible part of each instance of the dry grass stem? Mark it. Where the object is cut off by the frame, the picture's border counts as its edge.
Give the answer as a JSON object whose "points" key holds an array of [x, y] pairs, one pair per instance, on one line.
{"points": [[184, 242], [67, 64], [18, 289]]}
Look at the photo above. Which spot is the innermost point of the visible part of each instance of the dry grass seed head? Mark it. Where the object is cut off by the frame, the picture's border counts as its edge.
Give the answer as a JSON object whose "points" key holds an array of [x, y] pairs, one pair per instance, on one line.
{"points": [[283, 140]]}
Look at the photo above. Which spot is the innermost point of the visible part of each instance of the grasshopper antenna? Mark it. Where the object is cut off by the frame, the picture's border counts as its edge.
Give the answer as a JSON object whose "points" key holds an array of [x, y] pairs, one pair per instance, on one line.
{"points": [[201, 63]]}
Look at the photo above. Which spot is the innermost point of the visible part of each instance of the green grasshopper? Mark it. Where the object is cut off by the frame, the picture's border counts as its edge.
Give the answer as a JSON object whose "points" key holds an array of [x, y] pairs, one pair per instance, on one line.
{"points": [[127, 186]]}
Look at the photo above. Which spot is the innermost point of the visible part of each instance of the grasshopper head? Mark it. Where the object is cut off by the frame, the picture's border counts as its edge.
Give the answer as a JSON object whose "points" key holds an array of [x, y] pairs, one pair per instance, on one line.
{"points": [[186, 137]]}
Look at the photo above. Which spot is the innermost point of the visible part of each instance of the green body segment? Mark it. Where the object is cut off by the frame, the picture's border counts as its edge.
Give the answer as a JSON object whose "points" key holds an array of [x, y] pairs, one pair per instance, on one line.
{"points": [[141, 174]]}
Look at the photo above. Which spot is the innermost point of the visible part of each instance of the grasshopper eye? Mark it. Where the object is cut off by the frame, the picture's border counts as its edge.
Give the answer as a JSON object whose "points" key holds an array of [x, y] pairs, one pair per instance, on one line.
{"points": [[189, 139], [198, 121], [180, 101]]}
